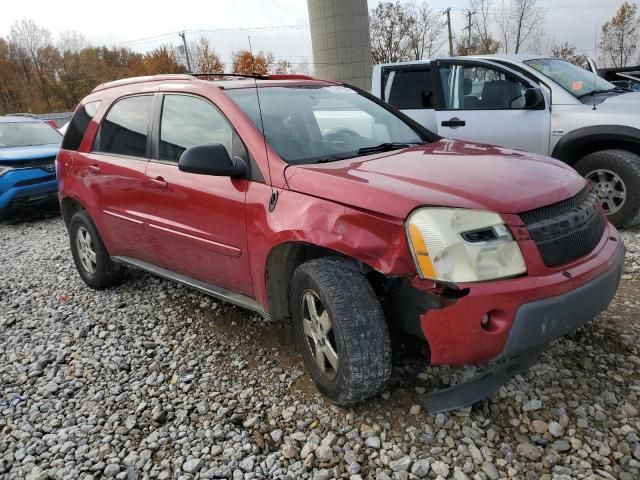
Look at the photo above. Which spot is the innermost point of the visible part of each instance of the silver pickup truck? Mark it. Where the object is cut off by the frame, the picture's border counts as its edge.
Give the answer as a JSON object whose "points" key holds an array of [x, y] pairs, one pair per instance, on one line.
{"points": [[534, 103]]}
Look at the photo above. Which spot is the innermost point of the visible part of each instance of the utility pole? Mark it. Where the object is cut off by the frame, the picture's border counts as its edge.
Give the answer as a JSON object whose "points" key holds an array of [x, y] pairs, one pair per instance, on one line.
{"points": [[186, 50], [447, 12], [468, 27]]}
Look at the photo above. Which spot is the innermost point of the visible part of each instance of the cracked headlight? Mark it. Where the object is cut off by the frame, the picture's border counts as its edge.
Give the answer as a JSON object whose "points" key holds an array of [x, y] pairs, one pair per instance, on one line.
{"points": [[459, 245]]}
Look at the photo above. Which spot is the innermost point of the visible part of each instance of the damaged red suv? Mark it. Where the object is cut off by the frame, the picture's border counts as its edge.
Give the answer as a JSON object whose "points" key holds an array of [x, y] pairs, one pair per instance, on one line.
{"points": [[313, 201]]}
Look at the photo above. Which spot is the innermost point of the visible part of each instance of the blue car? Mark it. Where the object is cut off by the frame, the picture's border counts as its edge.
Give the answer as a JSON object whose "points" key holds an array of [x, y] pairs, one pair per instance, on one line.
{"points": [[28, 149]]}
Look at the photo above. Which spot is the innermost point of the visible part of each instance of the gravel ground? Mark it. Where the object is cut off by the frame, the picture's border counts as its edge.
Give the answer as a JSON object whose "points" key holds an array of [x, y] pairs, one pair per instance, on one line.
{"points": [[153, 380]]}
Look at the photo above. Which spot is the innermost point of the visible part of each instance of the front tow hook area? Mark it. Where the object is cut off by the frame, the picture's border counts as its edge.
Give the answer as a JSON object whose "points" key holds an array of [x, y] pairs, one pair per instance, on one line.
{"points": [[481, 386]]}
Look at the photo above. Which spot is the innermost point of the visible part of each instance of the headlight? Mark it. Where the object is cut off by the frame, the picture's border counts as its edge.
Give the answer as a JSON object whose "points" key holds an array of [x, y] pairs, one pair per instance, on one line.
{"points": [[4, 170], [459, 245]]}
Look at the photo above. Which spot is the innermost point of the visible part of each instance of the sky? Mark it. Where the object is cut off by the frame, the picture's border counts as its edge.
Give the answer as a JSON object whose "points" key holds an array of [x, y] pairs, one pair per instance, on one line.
{"points": [[279, 26]]}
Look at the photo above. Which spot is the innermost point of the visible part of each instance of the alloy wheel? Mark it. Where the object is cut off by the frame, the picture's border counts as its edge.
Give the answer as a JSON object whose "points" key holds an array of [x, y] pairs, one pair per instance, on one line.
{"points": [[319, 335], [610, 188], [86, 252]]}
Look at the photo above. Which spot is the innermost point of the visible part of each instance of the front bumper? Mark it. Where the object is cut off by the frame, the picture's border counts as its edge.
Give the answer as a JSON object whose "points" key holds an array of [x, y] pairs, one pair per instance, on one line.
{"points": [[525, 313], [25, 186]]}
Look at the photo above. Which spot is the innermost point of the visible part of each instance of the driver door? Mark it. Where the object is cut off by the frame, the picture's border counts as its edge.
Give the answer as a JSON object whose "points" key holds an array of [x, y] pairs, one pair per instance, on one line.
{"points": [[484, 102]]}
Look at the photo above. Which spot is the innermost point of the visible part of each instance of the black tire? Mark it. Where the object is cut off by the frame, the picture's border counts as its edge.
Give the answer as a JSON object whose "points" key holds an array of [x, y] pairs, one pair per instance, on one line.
{"points": [[627, 166], [358, 330], [106, 273]]}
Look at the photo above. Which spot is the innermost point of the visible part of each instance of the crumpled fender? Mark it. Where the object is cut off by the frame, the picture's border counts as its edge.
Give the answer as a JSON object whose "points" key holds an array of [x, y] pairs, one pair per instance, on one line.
{"points": [[377, 241]]}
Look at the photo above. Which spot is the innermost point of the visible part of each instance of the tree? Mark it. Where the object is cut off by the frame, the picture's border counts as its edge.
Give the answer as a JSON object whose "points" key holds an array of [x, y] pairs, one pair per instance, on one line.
{"points": [[481, 27], [619, 36], [520, 23], [425, 31], [283, 66], [162, 60], [568, 52], [245, 63], [208, 60], [390, 25]]}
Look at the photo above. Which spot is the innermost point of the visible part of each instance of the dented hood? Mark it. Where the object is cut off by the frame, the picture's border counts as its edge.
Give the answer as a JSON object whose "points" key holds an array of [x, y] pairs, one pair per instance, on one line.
{"points": [[447, 173]]}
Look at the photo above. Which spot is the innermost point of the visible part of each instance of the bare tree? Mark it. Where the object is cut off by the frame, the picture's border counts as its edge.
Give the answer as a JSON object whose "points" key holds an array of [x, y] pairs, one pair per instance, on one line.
{"points": [[520, 23], [481, 27], [30, 41], [206, 58], [390, 25], [619, 36], [72, 41], [425, 32]]}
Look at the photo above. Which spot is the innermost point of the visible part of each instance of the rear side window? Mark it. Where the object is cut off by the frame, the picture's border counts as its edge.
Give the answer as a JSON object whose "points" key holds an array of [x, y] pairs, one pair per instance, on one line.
{"points": [[189, 121], [408, 89], [78, 125], [124, 130]]}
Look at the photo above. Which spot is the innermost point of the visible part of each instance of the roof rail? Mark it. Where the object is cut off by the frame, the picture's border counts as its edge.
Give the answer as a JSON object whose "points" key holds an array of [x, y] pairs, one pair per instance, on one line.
{"points": [[30, 115], [239, 75]]}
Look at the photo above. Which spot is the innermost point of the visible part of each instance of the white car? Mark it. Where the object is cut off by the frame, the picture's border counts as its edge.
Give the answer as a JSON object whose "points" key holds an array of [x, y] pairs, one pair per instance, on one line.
{"points": [[533, 103], [63, 129]]}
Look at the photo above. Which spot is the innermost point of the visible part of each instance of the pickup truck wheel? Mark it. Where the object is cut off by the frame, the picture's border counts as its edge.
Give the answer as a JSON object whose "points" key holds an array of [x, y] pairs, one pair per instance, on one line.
{"points": [[340, 330], [615, 176], [90, 255]]}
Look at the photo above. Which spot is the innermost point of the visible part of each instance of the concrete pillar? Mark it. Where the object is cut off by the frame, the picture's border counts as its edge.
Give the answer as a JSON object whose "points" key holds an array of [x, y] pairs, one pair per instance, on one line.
{"points": [[340, 41]]}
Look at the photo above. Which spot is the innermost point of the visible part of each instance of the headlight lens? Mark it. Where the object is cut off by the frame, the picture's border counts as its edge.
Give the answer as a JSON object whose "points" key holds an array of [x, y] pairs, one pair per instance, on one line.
{"points": [[460, 245], [4, 170]]}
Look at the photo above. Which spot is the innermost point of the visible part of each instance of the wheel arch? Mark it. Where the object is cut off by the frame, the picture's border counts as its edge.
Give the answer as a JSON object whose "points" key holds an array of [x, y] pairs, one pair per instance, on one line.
{"points": [[69, 206], [282, 261], [583, 141]]}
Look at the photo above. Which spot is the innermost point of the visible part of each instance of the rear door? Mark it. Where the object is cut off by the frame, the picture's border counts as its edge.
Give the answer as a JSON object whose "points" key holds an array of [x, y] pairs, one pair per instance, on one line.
{"points": [[484, 102], [114, 172], [197, 221], [410, 88]]}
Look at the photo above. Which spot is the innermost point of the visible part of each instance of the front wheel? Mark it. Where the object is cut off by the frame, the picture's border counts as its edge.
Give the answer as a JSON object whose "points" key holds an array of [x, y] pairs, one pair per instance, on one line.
{"points": [[615, 177], [340, 330]]}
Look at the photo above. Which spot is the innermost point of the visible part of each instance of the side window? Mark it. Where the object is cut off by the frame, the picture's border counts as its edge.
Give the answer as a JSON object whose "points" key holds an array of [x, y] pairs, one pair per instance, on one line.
{"points": [[189, 121], [124, 130], [78, 125], [480, 88], [408, 89]]}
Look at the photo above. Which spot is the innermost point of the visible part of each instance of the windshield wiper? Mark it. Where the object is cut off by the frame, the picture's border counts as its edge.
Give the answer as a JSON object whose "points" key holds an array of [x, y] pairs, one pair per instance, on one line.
{"points": [[386, 147], [597, 91], [333, 158]]}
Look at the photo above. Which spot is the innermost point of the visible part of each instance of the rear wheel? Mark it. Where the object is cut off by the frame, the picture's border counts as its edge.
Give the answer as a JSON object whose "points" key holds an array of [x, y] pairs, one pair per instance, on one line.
{"points": [[90, 255], [615, 177], [340, 330]]}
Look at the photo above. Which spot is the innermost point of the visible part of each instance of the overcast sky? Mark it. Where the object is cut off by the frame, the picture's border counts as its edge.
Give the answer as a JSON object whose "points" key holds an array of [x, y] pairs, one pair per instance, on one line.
{"points": [[227, 23]]}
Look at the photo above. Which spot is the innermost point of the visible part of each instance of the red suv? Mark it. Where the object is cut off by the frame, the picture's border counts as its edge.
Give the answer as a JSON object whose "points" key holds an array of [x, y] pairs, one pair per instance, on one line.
{"points": [[313, 201]]}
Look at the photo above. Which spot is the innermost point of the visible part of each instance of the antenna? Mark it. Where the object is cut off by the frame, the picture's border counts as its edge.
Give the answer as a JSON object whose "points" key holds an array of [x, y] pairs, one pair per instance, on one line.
{"points": [[595, 68], [274, 192]]}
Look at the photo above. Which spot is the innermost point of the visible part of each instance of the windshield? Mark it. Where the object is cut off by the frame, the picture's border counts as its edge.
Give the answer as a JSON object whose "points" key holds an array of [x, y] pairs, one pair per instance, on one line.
{"points": [[572, 78], [24, 134], [308, 123]]}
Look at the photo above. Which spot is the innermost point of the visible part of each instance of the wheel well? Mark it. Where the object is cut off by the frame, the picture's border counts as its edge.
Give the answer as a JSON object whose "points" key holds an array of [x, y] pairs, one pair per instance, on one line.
{"points": [[581, 149], [283, 261], [69, 208]]}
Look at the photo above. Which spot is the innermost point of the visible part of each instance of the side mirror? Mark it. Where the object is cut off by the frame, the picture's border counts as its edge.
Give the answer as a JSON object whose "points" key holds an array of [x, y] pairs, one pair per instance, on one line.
{"points": [[533, 99], [211, 159]]}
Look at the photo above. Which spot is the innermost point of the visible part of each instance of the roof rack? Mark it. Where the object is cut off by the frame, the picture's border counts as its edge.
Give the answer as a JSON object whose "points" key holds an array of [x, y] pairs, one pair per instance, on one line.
{"points": [[239, 75], [30, 115]]}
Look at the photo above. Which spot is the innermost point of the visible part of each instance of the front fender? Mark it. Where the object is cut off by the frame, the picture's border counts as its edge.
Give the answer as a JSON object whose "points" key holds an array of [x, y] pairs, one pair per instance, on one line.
{"points": [[569, 146], [377, 241]]}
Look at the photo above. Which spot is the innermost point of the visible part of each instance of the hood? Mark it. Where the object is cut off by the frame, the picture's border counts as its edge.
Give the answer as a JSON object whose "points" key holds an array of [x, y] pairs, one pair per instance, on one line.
{"points": [[446, 173], [623, 100], [28, 153]]}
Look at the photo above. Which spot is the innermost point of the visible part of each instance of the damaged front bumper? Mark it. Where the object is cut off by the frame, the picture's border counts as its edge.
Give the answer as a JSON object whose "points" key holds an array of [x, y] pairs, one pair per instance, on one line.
{"points": [[507, 324]]}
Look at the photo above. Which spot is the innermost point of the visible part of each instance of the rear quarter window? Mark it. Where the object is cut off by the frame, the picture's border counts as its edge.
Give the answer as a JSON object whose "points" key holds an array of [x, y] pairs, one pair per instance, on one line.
{"points": [[78, 125], [408, 89]]}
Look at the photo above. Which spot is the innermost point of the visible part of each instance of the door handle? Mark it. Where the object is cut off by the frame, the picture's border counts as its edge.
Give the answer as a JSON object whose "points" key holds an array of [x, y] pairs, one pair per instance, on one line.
{"points": [[453, 122], [93, 169], [158, 182]]}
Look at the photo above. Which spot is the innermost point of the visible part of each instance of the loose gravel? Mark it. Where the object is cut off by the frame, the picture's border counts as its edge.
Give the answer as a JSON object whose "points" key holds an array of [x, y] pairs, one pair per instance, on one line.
{"points": [[154, 380]]}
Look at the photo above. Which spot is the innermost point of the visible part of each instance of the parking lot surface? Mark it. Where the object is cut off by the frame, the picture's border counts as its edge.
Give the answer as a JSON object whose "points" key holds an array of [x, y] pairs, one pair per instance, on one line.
{"points": [[154, 380]]}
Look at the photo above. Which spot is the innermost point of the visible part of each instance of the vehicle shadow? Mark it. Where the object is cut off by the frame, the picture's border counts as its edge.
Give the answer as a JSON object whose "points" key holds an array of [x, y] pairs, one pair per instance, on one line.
{"points": [[31, 213]]}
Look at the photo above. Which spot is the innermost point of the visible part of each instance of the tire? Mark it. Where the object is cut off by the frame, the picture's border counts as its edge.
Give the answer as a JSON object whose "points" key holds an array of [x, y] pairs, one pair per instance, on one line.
{"points": [[105, 273], [626, 166], [357, 330]]}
